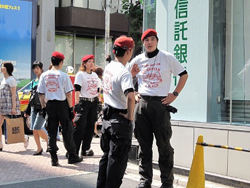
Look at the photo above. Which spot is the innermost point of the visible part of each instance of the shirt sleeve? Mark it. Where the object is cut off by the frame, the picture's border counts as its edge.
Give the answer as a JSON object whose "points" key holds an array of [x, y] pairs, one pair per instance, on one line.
{"points": [[78, 79], [126, 81], [68, 84], [41, 85], [176, 66], [12, 82]]}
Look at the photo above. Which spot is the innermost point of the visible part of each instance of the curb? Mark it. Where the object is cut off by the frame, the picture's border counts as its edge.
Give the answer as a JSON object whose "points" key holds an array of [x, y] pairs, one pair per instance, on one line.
{"points": [[181, 174]]}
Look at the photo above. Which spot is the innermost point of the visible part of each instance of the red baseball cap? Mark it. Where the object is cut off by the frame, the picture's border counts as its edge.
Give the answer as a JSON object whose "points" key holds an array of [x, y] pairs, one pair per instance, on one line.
{"points": [[148, 33], [124, 42], [87, 57], [58, 55]]}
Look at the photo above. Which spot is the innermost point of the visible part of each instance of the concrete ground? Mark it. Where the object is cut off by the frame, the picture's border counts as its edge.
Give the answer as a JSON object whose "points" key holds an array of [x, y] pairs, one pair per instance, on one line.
{"points": [[19, 168]]}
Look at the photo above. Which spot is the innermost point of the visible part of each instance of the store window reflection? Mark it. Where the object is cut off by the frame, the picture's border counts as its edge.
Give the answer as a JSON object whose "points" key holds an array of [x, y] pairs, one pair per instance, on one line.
{"points": [[229, 99]]}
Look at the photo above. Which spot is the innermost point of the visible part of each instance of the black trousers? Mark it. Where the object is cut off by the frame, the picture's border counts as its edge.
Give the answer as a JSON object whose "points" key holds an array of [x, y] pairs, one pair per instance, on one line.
{"points": [[85, 124], [152, 119], [58, 112], [115, 143]]}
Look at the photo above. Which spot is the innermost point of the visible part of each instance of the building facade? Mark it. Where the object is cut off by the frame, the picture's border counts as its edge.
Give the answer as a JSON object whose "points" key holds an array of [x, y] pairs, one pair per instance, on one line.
{"points": [[80, 29], [210, 38], [73, 27]]}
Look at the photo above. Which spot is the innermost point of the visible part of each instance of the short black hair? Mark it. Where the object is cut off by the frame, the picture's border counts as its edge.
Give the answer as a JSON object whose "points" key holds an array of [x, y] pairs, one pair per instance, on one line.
{"points": [[37, 64], [118, 51], [55, 61], [9, 67]]}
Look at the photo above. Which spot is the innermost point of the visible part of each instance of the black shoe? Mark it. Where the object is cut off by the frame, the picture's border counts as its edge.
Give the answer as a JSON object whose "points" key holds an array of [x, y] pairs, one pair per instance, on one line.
{"points": [[72, 160], [39, 153], [54, 159], [144, 185], [88, 153], [54, 163], [166, 186]]}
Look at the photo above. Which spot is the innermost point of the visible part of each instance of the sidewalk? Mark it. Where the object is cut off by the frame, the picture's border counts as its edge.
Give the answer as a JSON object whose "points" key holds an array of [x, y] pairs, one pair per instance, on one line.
{"points": [[19, 165]]}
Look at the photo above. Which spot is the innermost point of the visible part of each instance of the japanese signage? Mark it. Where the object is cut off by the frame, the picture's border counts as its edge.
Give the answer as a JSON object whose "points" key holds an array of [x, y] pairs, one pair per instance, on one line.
{"points": [[180, 29], [9, 7]]}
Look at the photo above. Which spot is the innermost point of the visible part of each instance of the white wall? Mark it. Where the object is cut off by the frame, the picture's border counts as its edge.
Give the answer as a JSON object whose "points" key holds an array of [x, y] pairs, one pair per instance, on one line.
{"points": [[231, 163], [192, 102]]}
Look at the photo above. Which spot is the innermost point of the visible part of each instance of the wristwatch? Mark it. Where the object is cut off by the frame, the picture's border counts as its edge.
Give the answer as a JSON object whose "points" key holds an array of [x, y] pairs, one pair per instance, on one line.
{"points": [[175, 93]]}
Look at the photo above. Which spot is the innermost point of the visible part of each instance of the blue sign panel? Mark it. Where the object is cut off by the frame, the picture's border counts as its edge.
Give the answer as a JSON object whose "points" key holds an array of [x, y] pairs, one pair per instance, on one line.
{"points": [[16, 37]]}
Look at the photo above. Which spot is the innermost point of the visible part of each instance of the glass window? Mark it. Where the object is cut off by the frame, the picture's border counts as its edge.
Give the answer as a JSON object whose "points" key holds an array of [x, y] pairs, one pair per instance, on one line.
{"points": [[149, 14], [64, 44], [66, 3], [95, 4], [230, 92], [56, 3], [80, 3], [74, 51], [83, 46], [100, 52]]}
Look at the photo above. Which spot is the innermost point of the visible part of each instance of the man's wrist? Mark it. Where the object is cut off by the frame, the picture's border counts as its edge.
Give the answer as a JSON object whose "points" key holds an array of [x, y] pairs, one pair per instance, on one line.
{"points": [[175, 93]]}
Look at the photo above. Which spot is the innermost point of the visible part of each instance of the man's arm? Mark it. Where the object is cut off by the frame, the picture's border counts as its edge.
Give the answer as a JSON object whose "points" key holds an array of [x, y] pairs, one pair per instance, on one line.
{"points": [[171, 97], [69, 99], [42, 100], [130, 105], [181, 83]]}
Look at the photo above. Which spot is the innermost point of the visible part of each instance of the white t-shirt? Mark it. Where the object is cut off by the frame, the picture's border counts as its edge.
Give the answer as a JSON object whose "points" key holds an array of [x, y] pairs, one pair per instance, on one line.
{"points": [[54, 84], [11, 81], [89, 84], [116, 80], [154, 78]]}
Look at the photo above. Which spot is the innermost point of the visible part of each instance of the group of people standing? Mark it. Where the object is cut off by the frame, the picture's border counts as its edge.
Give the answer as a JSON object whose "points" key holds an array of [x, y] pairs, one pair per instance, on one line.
{"points": [[147, 106]]}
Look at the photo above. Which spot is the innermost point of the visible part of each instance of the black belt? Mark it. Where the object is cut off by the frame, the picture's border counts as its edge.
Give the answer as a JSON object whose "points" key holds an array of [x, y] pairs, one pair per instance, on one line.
{"points": [[88, 99], [117, 111], [152, 98]]}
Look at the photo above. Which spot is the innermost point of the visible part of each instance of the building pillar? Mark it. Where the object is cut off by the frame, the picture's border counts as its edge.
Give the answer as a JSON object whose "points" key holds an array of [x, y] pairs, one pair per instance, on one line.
{"points": [[45, 40]]}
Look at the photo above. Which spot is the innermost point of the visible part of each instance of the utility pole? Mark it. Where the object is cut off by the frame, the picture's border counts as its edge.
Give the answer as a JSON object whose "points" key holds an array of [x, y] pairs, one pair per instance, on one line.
{"points": [[107, 28]]}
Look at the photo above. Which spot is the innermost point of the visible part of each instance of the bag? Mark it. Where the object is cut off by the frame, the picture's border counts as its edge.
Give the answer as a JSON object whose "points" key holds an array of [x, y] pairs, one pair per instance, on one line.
{"points": [[14, 130], [34, 99]]}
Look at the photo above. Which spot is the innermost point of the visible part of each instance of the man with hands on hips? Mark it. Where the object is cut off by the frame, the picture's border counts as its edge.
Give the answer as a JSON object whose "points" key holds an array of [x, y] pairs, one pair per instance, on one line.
{"points": [[154, 69]]}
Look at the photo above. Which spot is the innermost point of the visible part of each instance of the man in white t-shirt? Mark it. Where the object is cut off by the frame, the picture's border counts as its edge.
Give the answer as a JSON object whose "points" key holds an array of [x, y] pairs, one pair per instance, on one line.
{"points": [[154, 70], [119, 104], [55, 87]]}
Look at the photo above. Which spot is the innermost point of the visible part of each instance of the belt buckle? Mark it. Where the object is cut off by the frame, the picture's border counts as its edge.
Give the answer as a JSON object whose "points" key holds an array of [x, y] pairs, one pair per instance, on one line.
{"points": [[92, 99]]}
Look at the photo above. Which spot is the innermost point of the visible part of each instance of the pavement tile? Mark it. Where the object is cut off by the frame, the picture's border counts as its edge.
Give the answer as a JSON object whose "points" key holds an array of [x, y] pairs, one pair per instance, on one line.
{"points": [[18, 164]]}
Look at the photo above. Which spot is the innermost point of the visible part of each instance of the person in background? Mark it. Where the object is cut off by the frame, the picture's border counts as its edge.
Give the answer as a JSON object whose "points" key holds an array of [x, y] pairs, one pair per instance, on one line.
{"points": [[34, 108], [55, 92], [86, 101], [58, 138], [154, 69], [9, 101], [99, 72], [119, 102], [108, 58]]}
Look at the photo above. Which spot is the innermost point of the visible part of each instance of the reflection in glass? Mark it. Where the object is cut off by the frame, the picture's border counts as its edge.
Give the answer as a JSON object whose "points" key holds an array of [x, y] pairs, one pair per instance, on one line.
{"points": [[230, 93]]}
